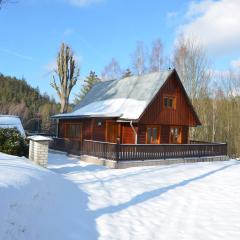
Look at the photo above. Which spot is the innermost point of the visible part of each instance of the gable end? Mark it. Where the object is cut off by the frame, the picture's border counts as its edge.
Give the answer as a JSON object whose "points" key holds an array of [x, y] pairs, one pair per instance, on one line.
{"points": [[182, 113]]}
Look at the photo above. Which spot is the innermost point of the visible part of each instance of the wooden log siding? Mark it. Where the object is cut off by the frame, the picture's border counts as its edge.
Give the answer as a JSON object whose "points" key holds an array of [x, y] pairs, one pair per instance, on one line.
{"points": [[181, 115], [86, 127]]}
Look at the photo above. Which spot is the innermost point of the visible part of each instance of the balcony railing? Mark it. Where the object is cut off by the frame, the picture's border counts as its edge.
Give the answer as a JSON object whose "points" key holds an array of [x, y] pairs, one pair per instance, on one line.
{"points": [[127, 152]]}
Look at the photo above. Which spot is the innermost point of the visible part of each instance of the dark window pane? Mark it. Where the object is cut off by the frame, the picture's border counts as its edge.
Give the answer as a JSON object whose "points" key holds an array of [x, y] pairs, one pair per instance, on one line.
{"points": [[166, 102], [149, 135], [154, 135], [169, 102]]}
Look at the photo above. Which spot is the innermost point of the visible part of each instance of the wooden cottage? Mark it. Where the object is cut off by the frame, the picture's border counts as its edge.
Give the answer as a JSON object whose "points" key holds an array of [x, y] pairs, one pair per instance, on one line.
{"points": [[148, 109]]}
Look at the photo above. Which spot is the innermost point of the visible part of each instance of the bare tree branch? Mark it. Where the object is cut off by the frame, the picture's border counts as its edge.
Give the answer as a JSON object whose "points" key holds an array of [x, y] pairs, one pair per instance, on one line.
{"points": [[139, 59], [112, 70], [3, 2], [156, 57]]}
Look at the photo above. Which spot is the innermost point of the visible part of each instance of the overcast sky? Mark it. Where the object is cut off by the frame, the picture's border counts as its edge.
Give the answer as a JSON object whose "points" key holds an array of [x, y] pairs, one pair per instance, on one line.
{"points": [[97, 30]]}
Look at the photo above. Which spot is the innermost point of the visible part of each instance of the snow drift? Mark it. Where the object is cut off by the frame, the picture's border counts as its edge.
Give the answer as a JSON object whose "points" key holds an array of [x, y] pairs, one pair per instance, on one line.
{"points": [[36, 203], [76, 200]]}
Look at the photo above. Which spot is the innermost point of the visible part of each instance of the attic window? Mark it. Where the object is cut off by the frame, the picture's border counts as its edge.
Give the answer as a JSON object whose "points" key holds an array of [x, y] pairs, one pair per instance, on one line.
{"points": [[169, 102]]}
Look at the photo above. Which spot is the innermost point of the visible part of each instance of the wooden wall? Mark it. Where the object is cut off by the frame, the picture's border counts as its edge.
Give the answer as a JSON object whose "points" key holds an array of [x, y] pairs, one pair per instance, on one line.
{"points": [[86, 127], [98, 131], [142, 134], [164, 134], [182, 115], [92, 131], [128, 136], [185, 134]]}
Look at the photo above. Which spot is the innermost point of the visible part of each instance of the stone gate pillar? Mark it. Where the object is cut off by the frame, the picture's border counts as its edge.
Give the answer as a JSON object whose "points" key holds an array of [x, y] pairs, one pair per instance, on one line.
{"points": [[38, 149]]}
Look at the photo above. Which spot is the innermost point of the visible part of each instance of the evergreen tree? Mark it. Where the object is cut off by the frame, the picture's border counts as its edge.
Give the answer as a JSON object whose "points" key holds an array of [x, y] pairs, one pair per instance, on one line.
{"points": [[90, 80]]}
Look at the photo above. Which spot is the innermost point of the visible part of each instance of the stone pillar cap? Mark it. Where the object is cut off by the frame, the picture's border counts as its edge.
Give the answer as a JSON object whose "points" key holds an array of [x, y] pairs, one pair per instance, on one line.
{"points": [[39, 138]]}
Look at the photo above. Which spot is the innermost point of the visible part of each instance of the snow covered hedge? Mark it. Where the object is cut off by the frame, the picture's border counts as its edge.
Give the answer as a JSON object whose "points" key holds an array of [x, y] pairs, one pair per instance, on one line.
{"points": [[12, 142]]}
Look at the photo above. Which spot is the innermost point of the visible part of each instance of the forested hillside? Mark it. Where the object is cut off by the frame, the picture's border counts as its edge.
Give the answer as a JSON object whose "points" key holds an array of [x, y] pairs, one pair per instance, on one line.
{"points": [[19, 98]]}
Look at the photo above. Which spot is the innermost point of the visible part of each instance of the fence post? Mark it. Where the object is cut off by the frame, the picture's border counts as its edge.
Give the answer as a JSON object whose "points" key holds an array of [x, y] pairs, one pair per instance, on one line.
{"points": [[67, 146], [118, 149], [226, 149], [82, 147]]}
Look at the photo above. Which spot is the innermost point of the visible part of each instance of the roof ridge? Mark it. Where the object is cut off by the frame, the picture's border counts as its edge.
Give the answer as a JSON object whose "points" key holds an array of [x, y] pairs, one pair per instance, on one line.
{"points": [[132, 76]]}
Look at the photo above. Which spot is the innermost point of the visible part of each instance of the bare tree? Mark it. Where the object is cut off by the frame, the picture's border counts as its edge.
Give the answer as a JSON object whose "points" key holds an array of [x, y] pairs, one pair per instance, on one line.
{"points": [[156, 57], [112, 70], [193, 66], [19, 109], [139, 59], [68, 73], [2, 2]]}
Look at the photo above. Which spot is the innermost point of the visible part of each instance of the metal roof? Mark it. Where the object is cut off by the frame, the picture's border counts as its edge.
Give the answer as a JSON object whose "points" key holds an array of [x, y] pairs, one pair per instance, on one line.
{"points": [[125, 98]]}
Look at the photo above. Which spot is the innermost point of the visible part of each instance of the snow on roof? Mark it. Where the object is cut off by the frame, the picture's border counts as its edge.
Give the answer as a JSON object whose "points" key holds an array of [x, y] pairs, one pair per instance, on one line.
{"points": [[125, 98], [11, 121], [120, 107]]}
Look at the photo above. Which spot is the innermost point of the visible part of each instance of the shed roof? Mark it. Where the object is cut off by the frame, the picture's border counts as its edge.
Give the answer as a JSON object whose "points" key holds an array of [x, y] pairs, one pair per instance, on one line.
{"points": [[124, 98], [11, 121]]}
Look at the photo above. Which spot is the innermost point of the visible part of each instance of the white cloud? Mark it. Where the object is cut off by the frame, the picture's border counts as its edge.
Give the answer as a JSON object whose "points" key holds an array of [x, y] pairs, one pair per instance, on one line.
{"points": [[196, 9], [215, 24], [235, 64], [83, 3]]}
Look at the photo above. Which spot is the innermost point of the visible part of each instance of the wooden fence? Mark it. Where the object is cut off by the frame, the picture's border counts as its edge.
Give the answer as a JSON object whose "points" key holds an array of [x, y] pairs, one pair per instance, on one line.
{"points": [[66, 145], [127, 152], [168, 151]]}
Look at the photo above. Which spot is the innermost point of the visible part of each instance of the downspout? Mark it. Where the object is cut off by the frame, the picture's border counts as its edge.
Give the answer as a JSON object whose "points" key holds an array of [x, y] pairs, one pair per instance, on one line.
{"points": [[135, 133]]}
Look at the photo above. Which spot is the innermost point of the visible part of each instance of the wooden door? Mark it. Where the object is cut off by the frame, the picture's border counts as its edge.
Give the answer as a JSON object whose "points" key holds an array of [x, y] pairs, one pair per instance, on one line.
{"points": [[111, 131], [175, 135], [153, 135]]}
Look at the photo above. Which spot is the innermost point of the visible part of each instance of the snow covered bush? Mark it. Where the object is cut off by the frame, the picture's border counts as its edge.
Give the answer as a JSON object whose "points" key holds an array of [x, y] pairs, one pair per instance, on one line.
{"points": [[12, 142]]}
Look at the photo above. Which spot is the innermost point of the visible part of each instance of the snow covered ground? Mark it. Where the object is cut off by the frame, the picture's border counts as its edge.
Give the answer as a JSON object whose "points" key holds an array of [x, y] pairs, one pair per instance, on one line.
{"points": [[76, 200]]}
